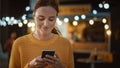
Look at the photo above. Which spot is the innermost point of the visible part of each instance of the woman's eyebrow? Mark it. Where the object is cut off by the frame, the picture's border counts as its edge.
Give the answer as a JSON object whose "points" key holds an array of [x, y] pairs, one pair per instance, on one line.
{"points": [[52, 16], [40, 16], [44, 16]]}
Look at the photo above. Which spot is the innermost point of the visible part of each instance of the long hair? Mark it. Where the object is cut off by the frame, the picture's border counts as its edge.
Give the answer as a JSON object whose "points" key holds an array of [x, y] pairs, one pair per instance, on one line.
{"points": [[56, 31]]}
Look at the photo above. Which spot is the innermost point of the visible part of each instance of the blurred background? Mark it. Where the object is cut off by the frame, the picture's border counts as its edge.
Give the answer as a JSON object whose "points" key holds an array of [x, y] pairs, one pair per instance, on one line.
{"points": [[90, 25]]}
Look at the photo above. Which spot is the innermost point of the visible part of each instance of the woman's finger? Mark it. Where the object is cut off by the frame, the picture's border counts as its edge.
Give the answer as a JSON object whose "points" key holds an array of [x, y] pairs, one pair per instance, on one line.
{"points": [[49, 60]]}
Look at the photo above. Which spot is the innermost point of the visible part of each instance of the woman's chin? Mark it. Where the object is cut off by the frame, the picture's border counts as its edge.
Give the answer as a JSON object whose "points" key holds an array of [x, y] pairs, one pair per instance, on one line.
{"points": [[45, 32]]}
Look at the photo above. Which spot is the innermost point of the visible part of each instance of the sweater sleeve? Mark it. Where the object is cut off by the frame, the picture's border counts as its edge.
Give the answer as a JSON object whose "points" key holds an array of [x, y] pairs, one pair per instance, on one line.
{"points": [[70, 57], [26, 66], [15, 57]]}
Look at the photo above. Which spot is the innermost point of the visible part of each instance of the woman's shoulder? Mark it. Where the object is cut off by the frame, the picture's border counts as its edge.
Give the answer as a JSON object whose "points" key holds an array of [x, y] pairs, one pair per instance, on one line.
{"points": [[64, 42], [23, 38], [62, 39]]}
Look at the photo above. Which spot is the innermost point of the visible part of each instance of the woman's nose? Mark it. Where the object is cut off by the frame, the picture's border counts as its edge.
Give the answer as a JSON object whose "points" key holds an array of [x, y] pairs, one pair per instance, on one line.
{"points": [[45, 23]]}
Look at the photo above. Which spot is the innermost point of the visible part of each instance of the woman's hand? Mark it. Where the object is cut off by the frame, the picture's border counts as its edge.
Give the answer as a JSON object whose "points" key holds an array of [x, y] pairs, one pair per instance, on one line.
{"points": [[38, 62], [43, 62], [54, 60]]}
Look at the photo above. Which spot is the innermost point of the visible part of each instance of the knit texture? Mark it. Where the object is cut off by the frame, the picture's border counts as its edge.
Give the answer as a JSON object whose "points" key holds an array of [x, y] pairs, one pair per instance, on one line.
{"points": [[27, 47]]}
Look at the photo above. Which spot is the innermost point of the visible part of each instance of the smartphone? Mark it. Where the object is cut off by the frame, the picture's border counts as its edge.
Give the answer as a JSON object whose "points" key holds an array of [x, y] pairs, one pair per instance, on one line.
{"points": [[47, 52]]}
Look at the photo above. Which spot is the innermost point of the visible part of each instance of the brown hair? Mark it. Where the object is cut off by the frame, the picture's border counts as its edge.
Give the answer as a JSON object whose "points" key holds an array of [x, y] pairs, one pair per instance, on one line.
{"points": [[52, 3], [56, 31]]}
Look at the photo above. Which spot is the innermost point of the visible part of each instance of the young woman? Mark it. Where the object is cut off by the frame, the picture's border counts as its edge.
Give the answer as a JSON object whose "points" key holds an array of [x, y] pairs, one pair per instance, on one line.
{"points": [[27, 50]]}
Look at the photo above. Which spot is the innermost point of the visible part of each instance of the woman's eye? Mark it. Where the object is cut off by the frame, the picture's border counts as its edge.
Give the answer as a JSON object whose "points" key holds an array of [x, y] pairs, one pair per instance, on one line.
{"points": [[40, 19], [51, 19]]}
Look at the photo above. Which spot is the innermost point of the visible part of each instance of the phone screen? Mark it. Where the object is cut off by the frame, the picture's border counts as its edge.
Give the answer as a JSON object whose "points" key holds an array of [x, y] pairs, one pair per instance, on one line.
{"points": [[47, 52]]}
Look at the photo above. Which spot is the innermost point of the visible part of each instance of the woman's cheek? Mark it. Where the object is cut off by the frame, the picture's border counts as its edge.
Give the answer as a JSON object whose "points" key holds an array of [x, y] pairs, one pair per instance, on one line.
{"points": [[52, 23], [38, 25]]}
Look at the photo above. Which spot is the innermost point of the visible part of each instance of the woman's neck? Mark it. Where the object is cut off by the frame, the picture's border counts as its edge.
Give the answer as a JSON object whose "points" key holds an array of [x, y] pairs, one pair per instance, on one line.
{"points": [[40, 36]]}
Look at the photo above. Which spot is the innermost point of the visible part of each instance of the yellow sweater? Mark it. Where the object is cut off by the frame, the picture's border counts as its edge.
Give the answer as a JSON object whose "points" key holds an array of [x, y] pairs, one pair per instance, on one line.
{"points": [[26, 48]]}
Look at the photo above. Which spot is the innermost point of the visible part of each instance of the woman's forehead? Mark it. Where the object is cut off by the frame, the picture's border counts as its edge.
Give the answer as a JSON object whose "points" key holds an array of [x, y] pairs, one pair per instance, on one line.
{"points": [[46, 10]]}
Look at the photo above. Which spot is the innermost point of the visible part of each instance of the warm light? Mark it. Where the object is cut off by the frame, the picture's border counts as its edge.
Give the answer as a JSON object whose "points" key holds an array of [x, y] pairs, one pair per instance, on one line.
{"points": [[59, 22], [25, 21], [32, 24], [32, 29], [58, 19], [108, 32], [91, 22], [75, 23], [104, 20], [106, 26], [20, 24], [29, 24]]}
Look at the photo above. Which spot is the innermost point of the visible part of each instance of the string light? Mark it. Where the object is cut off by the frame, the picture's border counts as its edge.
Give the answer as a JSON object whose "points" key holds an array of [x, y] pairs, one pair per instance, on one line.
{"points": [[83, 16], [106, 26], [91, 22], [108, 32], [75, 23], [76, 18], [27, 8], [94, 11], [106, 5], [104, 20], [66, 20], [100, 5]]}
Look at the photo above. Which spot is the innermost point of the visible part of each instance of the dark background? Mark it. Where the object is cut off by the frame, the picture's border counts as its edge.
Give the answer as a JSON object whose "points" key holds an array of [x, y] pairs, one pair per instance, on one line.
{"points": [[17, 7]]}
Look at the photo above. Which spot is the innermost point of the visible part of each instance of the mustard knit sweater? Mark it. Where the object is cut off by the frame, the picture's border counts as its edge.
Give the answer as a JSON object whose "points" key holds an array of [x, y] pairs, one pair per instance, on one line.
{"points": [[26, 48]]}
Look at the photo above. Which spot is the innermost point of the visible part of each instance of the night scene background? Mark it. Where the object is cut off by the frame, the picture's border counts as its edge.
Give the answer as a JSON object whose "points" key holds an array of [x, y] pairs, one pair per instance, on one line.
{"points": [[16, 8]]}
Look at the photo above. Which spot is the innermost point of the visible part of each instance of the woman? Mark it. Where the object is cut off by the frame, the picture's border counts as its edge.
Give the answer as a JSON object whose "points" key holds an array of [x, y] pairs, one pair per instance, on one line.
{"points": [[27, 50]]}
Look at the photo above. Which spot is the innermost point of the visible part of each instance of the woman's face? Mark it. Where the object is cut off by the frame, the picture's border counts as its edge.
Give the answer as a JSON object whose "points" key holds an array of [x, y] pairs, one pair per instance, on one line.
{"points": [[45, 18]]}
